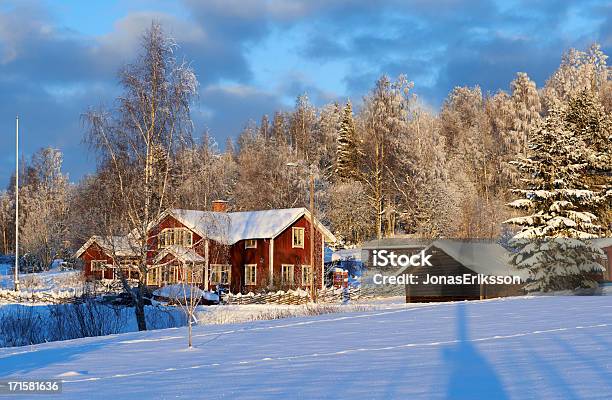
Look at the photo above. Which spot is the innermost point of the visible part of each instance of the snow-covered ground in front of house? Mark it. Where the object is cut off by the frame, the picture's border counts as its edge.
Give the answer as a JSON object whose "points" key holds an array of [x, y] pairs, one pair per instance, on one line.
{"points": [[182, 291], [232, 314], [48, 281], [517, 348]]}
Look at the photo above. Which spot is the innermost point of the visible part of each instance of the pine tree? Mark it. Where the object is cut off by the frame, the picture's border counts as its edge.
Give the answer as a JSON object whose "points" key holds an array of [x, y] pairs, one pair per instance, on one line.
{"points": [[347, 150], [587, 117], [553, 244]]}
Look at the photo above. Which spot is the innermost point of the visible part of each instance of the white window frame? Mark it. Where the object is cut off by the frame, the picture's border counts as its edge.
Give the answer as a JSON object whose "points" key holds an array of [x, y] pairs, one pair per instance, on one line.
{"points": [[306, 275], [153, 276], [217, 270], [303, 235], [163, 237], [247, 274], [291, 278], [101, 269], [250, 244], [192, 273]]}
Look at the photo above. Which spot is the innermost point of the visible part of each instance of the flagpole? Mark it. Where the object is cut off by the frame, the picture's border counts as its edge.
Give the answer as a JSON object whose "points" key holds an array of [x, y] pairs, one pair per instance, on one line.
{"points": [[17, 203]]}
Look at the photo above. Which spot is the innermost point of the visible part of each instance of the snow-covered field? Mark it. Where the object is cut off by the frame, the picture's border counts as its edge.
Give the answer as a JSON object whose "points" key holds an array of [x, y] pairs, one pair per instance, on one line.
{"points": [[521, 348], [48, 281]]}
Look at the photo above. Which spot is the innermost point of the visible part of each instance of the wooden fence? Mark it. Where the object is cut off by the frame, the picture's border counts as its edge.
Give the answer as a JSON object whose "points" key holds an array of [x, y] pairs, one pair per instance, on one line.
{"points": [[299, 296], [54, 297]]}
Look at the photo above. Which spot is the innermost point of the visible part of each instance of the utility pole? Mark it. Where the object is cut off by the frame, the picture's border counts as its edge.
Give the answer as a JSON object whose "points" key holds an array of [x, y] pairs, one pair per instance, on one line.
{"points": [[313, 286], [17, 203]]}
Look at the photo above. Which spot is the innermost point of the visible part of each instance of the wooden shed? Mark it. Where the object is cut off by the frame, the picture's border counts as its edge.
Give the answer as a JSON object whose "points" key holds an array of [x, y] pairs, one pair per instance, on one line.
{"points": [[452, 260]]}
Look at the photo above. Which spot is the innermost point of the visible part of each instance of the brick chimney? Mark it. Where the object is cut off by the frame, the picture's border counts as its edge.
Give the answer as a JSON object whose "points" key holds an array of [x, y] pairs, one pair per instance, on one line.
{"points": [[219, 206]]}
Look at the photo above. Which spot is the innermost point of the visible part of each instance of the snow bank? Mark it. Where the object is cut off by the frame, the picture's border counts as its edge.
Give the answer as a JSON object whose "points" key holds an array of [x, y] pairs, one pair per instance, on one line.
{"points": [[182, 291]]}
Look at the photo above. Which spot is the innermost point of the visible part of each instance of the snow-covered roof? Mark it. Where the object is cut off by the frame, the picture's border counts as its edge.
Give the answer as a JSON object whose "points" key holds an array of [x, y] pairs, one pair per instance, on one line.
{"points": [[121, 246], [602, 242], [484, 257], [182, 254], [232, 227], [347, 254]]}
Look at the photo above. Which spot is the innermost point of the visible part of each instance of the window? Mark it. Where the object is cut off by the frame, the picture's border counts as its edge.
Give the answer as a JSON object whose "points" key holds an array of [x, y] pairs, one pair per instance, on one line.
{"points": [[175, 236], [250, 274], [298, 238], [128, 269], [193, 274], [98, 265], [153, 276], [169, 273], [287, 274], [250, 244], [306, 275], [220, 274]]}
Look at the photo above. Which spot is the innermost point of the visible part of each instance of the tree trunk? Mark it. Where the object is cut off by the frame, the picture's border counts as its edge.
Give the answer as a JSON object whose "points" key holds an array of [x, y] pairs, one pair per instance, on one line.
{"points": [[139, 308], [190, 315]]}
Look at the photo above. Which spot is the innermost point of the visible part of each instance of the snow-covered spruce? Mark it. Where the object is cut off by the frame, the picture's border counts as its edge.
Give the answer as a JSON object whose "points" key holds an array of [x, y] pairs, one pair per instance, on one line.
{"points": [[347, 150], [553, 242]]}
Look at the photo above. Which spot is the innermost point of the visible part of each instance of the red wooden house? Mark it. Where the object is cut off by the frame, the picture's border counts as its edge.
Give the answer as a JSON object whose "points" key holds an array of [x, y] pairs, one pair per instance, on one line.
{"points": [[247, 251]]}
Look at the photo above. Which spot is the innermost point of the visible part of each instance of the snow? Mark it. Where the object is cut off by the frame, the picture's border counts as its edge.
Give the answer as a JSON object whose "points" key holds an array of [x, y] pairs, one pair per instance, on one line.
{"points": [[514, 348], [181, 290], [123, 246], [347, 254], [54, 280], [483, 257]]}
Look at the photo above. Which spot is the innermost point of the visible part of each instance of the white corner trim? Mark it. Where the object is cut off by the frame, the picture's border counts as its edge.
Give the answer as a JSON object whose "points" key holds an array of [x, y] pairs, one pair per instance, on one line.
{"points": [[271, 263]]}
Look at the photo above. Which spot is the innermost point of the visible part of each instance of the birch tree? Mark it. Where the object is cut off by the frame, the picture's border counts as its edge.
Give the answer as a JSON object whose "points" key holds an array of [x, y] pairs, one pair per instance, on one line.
{"points": [[383, 116], [139, 138]]}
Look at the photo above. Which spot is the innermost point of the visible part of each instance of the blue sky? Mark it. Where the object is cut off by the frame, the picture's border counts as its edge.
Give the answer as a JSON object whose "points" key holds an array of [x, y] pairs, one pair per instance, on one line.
{"points": [[57, 58]]}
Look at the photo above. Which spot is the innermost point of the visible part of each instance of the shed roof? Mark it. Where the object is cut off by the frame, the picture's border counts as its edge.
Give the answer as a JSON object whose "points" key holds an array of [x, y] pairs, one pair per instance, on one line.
{"points": [[482, 257]]}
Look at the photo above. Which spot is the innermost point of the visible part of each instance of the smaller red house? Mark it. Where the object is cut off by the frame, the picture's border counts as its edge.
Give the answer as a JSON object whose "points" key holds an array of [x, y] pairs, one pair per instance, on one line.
{"points": [[98, 255], [245, 251]]}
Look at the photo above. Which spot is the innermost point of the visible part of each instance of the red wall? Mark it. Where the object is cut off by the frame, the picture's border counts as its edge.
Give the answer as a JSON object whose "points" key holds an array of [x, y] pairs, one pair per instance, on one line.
{"points": [[241, 256], [94, 252], [170, 222], [284, 253]]}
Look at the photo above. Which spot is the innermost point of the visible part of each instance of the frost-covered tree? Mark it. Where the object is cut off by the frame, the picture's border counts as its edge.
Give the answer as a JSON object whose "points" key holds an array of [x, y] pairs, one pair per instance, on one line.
{"points": [[525, 111], [204, 174], [302, 127], [349, 212], [263, 178], [347, 149], [552, 244], [44, 208], [589, 121], [384, 117], [579, 70]]}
